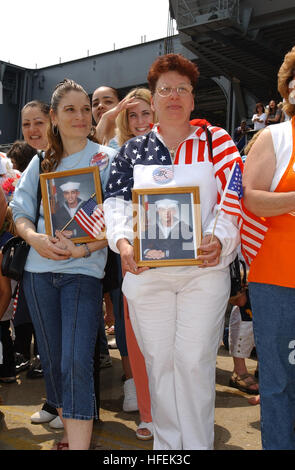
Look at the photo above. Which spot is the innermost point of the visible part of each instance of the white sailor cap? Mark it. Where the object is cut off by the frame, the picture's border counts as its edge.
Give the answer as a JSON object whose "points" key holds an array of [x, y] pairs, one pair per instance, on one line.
{"points": [[70, 186], [166, 203]]}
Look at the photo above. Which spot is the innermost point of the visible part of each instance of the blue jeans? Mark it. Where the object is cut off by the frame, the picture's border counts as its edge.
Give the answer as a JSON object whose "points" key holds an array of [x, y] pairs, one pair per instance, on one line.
{"points": [[273, 310], [65, 313], [118, 306]]}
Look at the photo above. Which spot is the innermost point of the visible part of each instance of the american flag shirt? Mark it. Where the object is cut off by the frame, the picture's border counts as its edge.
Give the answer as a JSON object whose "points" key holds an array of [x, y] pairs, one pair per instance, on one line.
{"points": [[137, 161]]}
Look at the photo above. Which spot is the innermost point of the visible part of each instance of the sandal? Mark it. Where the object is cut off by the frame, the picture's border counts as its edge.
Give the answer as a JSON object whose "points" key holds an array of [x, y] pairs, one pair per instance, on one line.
{"points": [[148, 427], [61, 446], [254, 400], [239, 382]]}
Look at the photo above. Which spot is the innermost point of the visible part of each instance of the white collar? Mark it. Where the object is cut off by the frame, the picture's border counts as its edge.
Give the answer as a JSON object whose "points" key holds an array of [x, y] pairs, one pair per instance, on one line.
{"points": [[197, 133]]}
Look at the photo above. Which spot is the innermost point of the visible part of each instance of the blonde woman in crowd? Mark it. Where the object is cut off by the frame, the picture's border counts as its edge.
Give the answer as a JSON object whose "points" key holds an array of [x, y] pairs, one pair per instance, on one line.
{"points": [[131, 122]]}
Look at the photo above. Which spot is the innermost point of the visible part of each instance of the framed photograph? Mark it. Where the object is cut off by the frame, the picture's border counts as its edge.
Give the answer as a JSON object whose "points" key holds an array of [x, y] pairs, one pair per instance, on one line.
{"points": [[72, 202], [167, 230]]}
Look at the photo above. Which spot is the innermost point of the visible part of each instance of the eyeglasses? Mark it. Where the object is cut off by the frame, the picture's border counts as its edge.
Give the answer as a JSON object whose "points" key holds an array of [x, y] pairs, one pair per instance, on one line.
{"points": [[182, 90]]}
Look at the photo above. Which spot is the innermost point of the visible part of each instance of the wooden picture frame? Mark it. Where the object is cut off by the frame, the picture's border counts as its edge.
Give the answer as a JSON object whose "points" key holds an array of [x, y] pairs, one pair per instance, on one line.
{"points": [[179, 210], [56, 188]]}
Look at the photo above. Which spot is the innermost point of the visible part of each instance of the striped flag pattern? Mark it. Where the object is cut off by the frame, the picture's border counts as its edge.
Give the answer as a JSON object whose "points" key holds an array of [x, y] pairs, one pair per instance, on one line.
{"points": [[253, 230], [90, 218], [233, 192]]}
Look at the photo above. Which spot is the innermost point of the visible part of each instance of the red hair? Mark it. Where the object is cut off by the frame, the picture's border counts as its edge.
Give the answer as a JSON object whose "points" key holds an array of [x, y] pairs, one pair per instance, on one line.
{"points": [[172, 62]]}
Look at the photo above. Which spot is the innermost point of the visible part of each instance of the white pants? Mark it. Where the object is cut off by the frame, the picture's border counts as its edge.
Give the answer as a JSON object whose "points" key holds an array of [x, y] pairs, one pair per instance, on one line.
{"points": [[178, 319], [241, 336]]}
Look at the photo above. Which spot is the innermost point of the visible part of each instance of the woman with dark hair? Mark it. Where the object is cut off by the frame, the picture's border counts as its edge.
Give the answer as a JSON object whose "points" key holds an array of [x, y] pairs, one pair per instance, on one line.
{"points": [[177, 312], [67, 274], [35, 122], [20, 155], [106, 106], [273, 114], [259, 117]]}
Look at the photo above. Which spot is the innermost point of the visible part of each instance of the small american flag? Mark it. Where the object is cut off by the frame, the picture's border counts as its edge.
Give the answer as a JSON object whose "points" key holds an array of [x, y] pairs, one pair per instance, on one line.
{"points": [[90, 218], [252, 228], [233, 192]]}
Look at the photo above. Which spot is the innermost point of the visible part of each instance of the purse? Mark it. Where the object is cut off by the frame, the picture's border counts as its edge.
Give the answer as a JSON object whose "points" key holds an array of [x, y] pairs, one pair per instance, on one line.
{"points": [[16, 250], [238, 282]]}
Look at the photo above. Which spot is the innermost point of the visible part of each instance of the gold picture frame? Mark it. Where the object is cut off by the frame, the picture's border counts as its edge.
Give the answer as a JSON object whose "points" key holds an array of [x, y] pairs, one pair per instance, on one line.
{"points": [[167, 226], [60, 204]]}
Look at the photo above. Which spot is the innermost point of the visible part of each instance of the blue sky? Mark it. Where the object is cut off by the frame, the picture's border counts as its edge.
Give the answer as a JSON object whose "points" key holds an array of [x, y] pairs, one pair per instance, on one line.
{"points": [[37, 33]]}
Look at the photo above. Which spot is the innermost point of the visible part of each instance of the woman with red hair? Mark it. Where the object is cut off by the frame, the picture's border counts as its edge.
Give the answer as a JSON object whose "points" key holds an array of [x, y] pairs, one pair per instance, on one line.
{"points": [[177, 312]]}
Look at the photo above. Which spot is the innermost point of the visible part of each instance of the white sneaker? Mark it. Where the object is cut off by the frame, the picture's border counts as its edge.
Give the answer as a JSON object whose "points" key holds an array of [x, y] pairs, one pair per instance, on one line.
{"points": [[42, 416], [56, 423], [130, 399]]}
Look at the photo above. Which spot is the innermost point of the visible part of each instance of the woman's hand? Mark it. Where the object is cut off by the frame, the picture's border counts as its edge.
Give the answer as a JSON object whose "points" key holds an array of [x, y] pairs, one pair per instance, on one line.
{"points": [[127, 257], [67, 233], [78, 251], [106, 123], [42, 243], [155, 254], [210, 251], [48, 247], [111, 114], [63, 242]]}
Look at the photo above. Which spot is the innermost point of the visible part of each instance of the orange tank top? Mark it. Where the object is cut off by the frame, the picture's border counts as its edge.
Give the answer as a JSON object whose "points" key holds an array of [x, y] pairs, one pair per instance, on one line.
{"points": [[275, 261]]}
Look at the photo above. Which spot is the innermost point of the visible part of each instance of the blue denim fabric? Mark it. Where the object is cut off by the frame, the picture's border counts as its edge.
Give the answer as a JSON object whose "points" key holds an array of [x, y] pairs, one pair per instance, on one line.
{"points": [[118, 307], [65, 313], [102, 337], [273, 310]]}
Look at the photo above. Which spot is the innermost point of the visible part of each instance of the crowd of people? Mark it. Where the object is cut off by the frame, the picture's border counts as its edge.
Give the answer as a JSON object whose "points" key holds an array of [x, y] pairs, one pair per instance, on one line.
{"points": [[264, 115], [168, 319]]}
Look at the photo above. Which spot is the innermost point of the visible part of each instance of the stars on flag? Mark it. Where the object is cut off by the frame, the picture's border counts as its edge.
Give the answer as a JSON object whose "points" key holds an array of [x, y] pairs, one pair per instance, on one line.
{"points": [[139, 151]]}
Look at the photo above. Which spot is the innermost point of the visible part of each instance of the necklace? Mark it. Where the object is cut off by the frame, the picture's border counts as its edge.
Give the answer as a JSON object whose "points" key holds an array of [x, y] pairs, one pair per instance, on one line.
{"points": [[172, 153], [173, 148], [77, 163]]}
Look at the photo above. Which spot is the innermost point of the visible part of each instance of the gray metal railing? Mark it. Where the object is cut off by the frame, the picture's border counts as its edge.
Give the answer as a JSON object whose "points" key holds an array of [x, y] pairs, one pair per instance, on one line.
{"points": [[197, 11]]}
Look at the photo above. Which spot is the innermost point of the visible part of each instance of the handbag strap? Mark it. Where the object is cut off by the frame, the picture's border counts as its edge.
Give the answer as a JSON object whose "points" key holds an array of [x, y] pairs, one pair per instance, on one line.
{"points": [[209, 140], [39, 196]]}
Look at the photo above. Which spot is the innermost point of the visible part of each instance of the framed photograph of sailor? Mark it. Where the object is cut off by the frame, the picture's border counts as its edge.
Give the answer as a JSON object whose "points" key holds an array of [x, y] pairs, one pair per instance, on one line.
{"points": [[167, 226], [72, 202]]}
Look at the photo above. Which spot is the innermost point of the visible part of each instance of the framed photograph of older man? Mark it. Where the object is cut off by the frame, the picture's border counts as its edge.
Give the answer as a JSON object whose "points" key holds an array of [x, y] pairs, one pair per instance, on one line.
{"points": [[72, 202], [168, 229]]}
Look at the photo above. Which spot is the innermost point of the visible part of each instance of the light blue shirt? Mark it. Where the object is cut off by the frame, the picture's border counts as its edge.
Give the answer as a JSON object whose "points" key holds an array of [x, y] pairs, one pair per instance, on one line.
{"points": [[24, 204], [113, 143]]}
